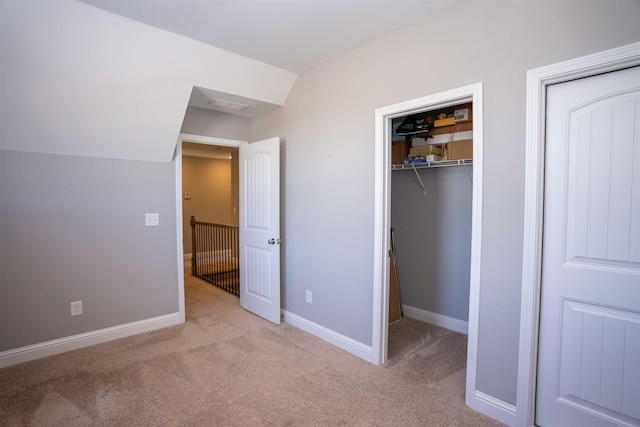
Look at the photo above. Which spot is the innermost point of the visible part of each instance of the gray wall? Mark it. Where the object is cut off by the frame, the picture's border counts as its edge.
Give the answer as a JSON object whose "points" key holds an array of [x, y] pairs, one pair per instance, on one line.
{"points": [[73, 229], [210, 183], [328, 166], [433, 239], [328, 123], [200, 121]]}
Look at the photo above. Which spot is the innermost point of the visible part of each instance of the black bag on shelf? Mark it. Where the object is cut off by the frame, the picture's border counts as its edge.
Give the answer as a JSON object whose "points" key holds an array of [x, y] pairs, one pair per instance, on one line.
{"points": [[411, 125]]}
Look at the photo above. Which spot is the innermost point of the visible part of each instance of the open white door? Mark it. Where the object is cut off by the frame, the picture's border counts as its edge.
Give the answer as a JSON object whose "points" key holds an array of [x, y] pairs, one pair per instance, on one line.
{"points": [[260, 228]]}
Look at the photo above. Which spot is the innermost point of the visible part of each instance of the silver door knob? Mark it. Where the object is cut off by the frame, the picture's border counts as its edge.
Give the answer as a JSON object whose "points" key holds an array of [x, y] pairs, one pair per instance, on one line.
{"points": [[273, 241]]}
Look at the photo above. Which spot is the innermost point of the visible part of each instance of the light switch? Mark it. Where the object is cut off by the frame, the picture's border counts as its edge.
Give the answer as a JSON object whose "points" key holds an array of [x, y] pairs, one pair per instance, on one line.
{"points": [[151, 219]]}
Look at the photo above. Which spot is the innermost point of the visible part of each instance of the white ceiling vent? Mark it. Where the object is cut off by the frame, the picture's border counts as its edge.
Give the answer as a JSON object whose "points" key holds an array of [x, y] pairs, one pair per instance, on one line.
{"points": [[228, 104]]}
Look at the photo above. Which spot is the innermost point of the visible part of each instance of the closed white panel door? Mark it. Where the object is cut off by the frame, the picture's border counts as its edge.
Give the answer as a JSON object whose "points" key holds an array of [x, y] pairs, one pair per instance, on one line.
{"points": [[589, 343], [260, 228]]}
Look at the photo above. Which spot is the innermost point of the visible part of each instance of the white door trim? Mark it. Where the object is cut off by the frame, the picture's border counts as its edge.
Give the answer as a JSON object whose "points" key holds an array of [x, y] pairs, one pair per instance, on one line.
{"points": [[537, 82], [382, 225], [199, 139]]}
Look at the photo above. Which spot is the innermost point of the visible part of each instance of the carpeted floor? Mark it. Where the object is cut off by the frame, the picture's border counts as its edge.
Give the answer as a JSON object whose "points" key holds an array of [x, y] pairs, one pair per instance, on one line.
{"points": [[227, 367]]}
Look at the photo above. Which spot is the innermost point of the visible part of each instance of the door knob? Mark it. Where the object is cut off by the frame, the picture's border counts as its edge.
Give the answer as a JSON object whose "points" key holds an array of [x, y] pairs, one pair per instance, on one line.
{"points": [[273, 241]]}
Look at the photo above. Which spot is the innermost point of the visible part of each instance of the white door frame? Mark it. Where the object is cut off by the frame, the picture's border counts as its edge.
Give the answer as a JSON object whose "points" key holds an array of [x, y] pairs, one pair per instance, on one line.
{"points": [[537, 82], [198, 139], [382, 227]]}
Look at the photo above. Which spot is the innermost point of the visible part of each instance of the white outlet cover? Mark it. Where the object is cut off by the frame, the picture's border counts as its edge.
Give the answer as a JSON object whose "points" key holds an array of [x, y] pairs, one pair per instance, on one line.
{"points": [[76, 308], [151, 219]]}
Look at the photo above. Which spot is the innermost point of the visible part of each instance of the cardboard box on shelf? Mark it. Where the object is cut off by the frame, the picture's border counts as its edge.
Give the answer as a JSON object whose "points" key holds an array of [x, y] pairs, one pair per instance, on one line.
{"points": [[463, 113], [457, 150], [399, 150], [448, 137], [458, 127], [425, 150]]}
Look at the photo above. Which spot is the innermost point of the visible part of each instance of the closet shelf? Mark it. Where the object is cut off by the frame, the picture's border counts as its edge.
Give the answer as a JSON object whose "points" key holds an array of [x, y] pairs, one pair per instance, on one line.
{"points": [[434, 164]]}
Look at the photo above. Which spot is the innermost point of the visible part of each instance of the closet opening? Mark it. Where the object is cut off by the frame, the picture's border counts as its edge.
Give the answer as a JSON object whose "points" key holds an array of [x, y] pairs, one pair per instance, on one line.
{"points": [[431, 194], [449, 222]]}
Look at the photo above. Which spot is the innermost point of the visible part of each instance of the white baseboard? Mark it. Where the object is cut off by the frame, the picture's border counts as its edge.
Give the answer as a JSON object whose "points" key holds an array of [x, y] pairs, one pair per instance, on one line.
{"points": [[492, 407], [436, 319], [341, 341], [61, 345]]}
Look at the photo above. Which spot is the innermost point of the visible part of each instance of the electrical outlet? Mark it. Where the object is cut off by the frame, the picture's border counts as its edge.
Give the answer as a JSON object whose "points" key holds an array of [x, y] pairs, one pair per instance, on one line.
{"points": [[76, 308], [151, 219], [309, 297]]}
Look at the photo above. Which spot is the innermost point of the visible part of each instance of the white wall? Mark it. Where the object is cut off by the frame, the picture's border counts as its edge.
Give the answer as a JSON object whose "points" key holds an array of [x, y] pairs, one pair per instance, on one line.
{"points": [[79, 80], [328, 123]]}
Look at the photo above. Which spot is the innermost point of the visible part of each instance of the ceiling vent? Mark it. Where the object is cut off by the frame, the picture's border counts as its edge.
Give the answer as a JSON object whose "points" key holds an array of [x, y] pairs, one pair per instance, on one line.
{"points": [[228, 104]]}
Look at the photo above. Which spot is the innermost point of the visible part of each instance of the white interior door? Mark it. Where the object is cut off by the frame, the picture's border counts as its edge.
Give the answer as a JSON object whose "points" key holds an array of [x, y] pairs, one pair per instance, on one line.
{"points": [[589, 342], [260, 228]]}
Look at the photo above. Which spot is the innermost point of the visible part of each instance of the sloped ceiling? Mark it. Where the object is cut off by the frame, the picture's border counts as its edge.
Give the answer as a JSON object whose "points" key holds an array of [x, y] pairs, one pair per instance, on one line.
{"points": [[78, 80], [293, 35], [289, 34]]}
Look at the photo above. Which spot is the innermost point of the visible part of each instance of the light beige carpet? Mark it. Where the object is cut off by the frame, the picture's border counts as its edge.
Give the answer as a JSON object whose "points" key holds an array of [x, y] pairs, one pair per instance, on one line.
{"points": [[227, 367]]}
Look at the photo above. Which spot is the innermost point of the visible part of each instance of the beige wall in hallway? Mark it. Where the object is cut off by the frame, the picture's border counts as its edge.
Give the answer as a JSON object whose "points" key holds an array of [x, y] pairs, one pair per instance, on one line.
{"points": [[210, 183]]}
